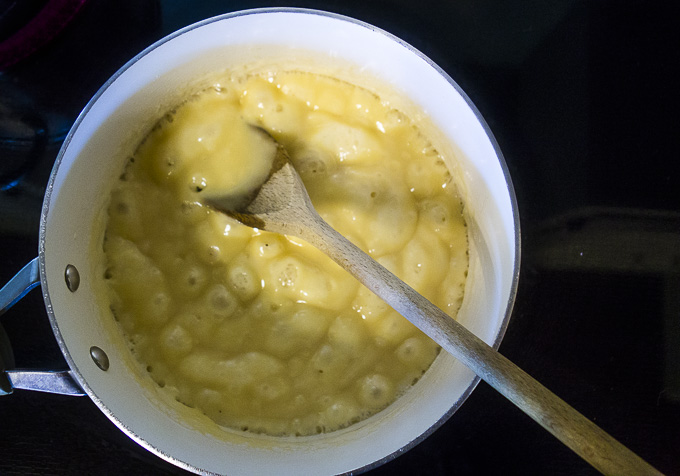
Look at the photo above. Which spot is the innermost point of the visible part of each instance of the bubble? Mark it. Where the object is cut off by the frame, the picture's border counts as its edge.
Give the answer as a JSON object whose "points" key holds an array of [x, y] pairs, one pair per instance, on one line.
{"points": [[288, 275], [266, 245], [340, 413], [211, 254], [192, 280], [157, 307], [410, 350], [376, 391], [272, 389], [176, 340], [312, 163], [244, 282], [221, 302]]}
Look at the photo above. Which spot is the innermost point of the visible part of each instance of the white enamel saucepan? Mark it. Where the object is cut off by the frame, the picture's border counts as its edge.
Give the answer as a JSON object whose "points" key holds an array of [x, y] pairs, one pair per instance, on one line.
{"points": [[93, 155]]}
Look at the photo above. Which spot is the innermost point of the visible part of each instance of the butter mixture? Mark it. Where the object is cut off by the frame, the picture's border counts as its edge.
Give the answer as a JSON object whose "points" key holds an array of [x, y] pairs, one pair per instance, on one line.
{"points": [[262, 332]]}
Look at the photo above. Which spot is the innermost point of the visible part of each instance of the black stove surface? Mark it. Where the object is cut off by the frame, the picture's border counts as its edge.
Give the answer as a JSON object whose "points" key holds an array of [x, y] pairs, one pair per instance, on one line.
{"points": [[581, 97]]}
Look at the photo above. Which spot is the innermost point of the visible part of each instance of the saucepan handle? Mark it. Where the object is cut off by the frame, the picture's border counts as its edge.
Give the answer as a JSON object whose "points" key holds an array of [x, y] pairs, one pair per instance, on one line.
{"points": [[61, 382], [17, 287]]}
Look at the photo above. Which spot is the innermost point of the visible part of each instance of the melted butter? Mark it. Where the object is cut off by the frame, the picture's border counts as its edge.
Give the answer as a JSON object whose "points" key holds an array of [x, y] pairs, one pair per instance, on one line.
{"points": [[206, 143], [262, 332]]}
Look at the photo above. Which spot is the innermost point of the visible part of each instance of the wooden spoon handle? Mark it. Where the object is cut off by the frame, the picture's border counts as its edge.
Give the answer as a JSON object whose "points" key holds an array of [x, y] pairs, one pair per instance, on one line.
{"points": [[577, 432]]}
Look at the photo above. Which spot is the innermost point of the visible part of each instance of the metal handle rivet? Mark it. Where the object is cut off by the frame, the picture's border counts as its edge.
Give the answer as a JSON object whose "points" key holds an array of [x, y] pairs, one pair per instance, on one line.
{"points": [[99, 357], [72, 277]]}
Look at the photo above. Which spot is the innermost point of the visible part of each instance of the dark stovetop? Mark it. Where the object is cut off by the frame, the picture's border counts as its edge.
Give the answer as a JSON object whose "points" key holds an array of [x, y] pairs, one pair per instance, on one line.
{"points": [[580, 96]]}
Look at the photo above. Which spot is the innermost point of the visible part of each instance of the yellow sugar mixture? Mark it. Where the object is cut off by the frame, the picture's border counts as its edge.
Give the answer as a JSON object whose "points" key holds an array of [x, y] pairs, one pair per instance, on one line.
{"points": [[262, 332]]}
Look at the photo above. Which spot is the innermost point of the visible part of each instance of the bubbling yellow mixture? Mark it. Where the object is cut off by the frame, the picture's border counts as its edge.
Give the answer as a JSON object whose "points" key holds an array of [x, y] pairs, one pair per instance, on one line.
{"points": [[262, 332]]}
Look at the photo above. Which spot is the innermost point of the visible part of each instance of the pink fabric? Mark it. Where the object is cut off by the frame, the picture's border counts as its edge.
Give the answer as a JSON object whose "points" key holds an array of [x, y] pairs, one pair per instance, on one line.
{"points": [[42, 28]]}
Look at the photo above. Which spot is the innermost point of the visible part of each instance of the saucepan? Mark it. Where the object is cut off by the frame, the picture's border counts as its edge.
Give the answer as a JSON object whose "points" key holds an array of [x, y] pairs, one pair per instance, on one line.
{"points": [[93, 155]]}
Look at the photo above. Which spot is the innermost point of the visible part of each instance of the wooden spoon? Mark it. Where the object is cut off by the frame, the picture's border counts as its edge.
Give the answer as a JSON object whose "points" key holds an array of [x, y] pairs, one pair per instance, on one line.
{"points": [[281, 204]]}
